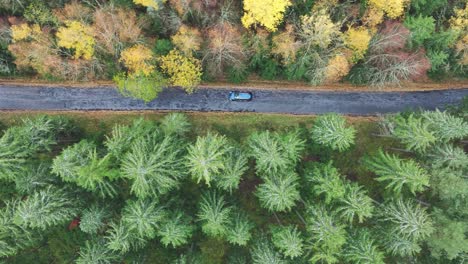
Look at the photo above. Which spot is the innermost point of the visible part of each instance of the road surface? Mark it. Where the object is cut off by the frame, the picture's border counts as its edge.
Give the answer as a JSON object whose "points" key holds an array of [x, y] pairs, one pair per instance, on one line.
{"points": [[216, 99]]}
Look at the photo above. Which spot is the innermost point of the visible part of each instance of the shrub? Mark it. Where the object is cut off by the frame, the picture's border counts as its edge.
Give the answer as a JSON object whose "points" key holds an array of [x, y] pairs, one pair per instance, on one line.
{"points": [[187, 40], [163, 47], [138, 86]]}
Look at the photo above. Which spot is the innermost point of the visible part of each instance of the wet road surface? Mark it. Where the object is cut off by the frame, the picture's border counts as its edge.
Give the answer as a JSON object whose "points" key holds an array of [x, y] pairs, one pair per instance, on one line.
{"points": [[211, 99]]}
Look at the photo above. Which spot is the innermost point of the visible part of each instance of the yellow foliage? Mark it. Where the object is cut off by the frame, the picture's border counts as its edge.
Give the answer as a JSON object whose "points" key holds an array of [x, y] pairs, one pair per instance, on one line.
{"points": [[24, 32], [373, 17], [285, 45], [392, 8], [268, 13], [357, 39], [318, 29], [337, 68], [75, 35], [462, 49], [154, 4], [137, 59], [183, 71], [460, 20], [187, 39]]}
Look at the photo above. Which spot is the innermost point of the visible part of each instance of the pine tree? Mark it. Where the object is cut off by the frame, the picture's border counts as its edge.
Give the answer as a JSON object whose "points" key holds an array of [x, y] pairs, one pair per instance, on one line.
{"points": [[279, 192], [356, 204], [96, 252], [414, 133], [206, 157], [175, 124], [12, 237], [153, 165], [143, 217], [235, 167], [262, 252], [239, 230], [288, 239], [327, 233], [92, 219], [330, 130], [214, 214], [326, 180], [448, 155], [275, 152], [82, 165], [175, 230], [33, 177], [400, 173], [362, 249], [408, 220], [45, 208], [445, 127]]}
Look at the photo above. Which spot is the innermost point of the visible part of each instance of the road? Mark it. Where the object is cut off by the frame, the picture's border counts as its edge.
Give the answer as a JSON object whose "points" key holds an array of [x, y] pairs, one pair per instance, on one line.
{"points": [[215, 99]]}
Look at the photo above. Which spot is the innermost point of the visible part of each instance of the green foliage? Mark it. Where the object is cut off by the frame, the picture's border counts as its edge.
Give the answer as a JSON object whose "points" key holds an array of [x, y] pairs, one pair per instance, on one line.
{"points": [[421, 29], [288, 240], [140, 86], [45, 208], [451, 186], [82, 165], [162, 47], [237, 74], [96, 252], [326, 180], [153, 164], [175, 124], [362, 249], [445, 126], [175, 230], [356, 204], [427, 7], [143, 217], [414, 133], [327, 234], [438, 59], [408, 220], [92, 219], [275, 152], [214, 214], [330, 130], [32, 178], [235, 167], [239, 231], [262, 252], [279, 192], [447, 155], [205, 158], [449, 238], [37, 12], [121, 239], [12, 237], [398, 172]]}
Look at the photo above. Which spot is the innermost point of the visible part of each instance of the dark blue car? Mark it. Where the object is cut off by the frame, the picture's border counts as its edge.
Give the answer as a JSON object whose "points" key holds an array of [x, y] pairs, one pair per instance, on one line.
{"points": [[240, 96]]}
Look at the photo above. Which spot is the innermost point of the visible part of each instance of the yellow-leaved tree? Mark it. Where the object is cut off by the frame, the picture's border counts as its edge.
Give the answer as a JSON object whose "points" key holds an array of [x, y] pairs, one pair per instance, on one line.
{"points": [[183, 71], [187, 39], [318, 29], [268, 13], [138, 60], [459, 21], [357, 39], [285, 45], [392, 8], [78, 37], [337, 68], [154, 4]]}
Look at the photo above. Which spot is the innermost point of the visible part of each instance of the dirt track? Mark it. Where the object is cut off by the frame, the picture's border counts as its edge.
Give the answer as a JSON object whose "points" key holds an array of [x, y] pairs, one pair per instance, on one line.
{"points": [[211, 99]]}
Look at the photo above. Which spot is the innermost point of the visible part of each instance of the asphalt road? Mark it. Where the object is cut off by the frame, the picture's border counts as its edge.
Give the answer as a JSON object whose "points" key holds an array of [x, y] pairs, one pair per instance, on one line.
{"points": [[264, 101]]}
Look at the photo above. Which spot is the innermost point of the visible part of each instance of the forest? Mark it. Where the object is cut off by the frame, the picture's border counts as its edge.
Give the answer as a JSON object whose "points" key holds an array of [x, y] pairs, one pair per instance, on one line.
{"points": [[186, 189], [145, 45]]}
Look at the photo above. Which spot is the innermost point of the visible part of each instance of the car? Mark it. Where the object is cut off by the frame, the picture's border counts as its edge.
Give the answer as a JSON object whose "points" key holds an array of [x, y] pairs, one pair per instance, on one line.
{"points": [[240, 96]]}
